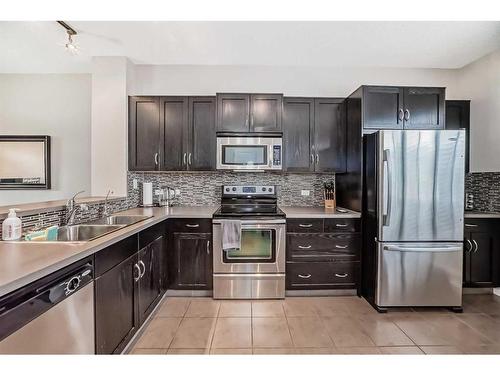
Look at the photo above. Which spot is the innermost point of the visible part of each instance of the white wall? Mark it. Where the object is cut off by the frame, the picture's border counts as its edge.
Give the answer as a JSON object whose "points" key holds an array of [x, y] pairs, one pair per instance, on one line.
{"points": [[291, 81], [109, 125], [480, 82], [50, 104]]}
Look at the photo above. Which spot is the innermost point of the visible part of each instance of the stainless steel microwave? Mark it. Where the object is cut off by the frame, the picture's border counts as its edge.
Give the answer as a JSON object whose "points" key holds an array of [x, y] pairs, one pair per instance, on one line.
{"points": [[249, 153]]}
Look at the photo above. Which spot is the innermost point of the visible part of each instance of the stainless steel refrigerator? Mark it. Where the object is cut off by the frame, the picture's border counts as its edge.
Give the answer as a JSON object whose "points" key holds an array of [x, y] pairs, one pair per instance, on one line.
{"points": [[413, 217]]}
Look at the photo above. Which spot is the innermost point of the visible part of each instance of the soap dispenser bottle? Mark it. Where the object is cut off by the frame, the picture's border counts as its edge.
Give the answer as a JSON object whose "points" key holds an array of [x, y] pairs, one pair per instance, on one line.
{"points": [[11, 227]]}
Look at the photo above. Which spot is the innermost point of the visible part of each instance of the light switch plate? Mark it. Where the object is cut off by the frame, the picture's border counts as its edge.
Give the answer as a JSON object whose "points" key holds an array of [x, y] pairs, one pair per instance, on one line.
{"points": [[305, 193]]}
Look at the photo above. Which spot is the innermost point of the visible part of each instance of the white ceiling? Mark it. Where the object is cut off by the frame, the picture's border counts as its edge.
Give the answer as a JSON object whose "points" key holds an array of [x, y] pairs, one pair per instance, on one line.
{"points": [[32, 47]]}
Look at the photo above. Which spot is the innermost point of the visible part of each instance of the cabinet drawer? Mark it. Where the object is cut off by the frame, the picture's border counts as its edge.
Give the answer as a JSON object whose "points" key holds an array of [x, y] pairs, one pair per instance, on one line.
{"points": [[151, 234], [342, 225], [192, 225], [325, 275], [323, 246], [304, 225]]}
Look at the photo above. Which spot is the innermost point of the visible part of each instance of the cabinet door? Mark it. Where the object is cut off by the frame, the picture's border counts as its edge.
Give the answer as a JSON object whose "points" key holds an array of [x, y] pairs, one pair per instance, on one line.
{"points": [[298, 130], [458, 117], [233, 112], [266, 112], [202, 139], [116, 314], [382, 107], [424, 108], [329, 136], [481, 259], [192, 261], [144, 133], [150, 280], [174, 125]]}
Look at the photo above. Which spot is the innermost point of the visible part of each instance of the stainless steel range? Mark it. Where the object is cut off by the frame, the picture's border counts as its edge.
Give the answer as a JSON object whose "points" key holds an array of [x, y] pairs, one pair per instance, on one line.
{"points": [[255, 270]]}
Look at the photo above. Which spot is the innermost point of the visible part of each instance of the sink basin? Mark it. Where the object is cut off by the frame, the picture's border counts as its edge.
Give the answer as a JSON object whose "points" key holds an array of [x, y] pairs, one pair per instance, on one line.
{"points": [[120, 219], [84, 232]]}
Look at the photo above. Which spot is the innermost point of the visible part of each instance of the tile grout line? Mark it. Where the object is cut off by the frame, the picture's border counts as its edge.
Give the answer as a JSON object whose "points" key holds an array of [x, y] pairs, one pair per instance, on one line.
{"points": [[177, 329]]}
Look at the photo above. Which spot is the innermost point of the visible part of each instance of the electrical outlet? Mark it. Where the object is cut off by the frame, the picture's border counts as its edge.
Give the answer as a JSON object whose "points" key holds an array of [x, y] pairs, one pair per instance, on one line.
{"points": [[305, 193], [157, 191], [135, 185], [177, 192]]}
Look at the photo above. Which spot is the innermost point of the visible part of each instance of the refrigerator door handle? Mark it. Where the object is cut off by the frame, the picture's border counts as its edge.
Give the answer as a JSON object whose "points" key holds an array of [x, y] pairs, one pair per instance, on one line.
{"points": [[426, 249], [387, 215]]}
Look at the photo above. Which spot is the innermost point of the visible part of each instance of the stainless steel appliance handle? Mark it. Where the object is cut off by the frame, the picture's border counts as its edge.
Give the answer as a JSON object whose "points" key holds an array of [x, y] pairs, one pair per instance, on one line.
{"points": [[476, 246], [208, 247], [144, 269], [192, 225], [305, 247], [184, 158], [401, 114], [341, 247], [305, 225], [430, 249], [387, 215], [407, 114], [304, 276], [471, 225], [341, 275], [253, 222], [136, 266], [156, 158], [469, 247]]}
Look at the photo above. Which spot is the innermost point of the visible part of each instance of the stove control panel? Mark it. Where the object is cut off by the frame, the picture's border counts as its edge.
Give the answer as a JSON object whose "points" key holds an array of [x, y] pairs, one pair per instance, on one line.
{"points": [[249, 190]]}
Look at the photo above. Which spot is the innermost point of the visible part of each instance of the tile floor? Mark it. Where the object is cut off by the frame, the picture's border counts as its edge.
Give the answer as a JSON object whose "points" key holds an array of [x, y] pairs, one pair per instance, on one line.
{"points": [[318, 325]]}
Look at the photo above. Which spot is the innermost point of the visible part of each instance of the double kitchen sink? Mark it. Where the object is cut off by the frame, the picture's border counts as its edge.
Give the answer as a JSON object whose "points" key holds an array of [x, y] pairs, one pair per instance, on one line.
{"points": [[96, 228]]}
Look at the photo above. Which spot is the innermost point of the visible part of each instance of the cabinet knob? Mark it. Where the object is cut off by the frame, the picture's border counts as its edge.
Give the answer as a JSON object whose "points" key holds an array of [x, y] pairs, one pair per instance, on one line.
{"points": [[476, 246], [138, 268], [304, 247], [304, 276], [156, 158], [192, 225], [407, 114], [401, 114], [341, 246], [208, 247], [341, 225], [305, 225], [341, 275]]}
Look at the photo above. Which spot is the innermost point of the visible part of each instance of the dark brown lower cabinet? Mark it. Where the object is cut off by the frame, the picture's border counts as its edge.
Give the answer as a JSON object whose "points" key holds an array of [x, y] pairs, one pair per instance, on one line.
{"points": [[481, 253], [129, 283], [150, 282], [116, 312], [192, 261]]}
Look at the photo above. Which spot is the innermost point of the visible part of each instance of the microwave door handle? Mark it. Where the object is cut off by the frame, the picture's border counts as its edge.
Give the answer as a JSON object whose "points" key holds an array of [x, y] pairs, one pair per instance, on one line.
{"points": [[387, 161]]}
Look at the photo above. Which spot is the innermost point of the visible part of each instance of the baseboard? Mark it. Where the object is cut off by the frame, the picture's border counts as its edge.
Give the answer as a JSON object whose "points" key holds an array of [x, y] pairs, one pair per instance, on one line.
{"points": [[478, 291], [320, 293], [188, 293]]}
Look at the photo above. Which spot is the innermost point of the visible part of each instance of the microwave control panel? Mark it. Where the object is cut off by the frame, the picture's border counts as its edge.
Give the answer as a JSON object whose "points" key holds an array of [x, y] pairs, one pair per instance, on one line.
{"points": [[276, 155]]}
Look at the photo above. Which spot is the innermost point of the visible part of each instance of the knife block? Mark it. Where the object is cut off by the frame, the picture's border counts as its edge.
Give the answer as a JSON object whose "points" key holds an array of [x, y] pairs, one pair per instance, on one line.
{"points": [[330, 203]]}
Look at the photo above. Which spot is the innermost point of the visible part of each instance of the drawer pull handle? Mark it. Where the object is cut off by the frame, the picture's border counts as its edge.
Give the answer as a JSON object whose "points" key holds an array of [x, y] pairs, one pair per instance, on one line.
{"points": [[305, 225], [471, 225], [304, 276], [341, 247], [305, 247], [192, 225], [341, 275], [341, 225]]}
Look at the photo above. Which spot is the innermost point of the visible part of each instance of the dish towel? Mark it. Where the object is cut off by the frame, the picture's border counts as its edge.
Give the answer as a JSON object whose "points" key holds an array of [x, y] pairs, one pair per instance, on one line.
{"points": [[231, 235]]}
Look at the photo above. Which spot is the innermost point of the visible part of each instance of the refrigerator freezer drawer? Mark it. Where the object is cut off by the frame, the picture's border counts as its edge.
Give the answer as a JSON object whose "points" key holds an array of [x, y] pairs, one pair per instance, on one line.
{"points": [[419, 274]]}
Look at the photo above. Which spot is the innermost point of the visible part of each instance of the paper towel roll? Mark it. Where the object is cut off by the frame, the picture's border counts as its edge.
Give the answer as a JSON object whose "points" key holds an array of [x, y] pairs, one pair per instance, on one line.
{"points": [[147, 193]]}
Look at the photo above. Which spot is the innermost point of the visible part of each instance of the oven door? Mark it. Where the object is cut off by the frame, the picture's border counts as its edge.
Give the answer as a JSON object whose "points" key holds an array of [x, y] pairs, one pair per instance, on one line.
{"points": [[248, 153], [262, 248]]}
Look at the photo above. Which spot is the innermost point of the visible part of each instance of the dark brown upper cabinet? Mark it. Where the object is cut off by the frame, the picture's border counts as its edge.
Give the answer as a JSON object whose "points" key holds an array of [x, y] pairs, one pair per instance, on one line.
{"points": [[144, 133], [201, 133], [174, 126], [387, 107], [172, 133], [242, 113], [314, 135], [458, 117]]}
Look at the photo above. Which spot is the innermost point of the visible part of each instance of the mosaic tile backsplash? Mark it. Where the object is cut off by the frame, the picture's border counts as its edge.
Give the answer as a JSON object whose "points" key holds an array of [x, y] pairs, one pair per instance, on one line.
{"points": [[485, 187], [204, 188]]}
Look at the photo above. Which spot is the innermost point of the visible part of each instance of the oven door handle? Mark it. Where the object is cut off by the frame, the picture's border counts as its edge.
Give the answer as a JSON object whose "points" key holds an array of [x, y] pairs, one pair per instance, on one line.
{"points": [[253, 222]]}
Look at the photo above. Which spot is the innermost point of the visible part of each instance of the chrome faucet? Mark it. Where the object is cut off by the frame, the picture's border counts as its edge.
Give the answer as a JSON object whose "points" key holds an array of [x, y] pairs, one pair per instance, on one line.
{"points": [[106, 205], [71, 208]]}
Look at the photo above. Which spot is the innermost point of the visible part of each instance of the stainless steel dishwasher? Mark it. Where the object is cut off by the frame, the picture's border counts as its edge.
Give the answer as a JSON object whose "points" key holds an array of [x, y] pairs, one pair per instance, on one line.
{"points": [[54, 315]]}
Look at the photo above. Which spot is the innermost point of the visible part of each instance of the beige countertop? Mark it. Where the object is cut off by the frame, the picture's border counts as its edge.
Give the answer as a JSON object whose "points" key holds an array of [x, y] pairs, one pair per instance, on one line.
{"points": [[481, 215], [34, 208], [297, 212], [24, 262]]}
